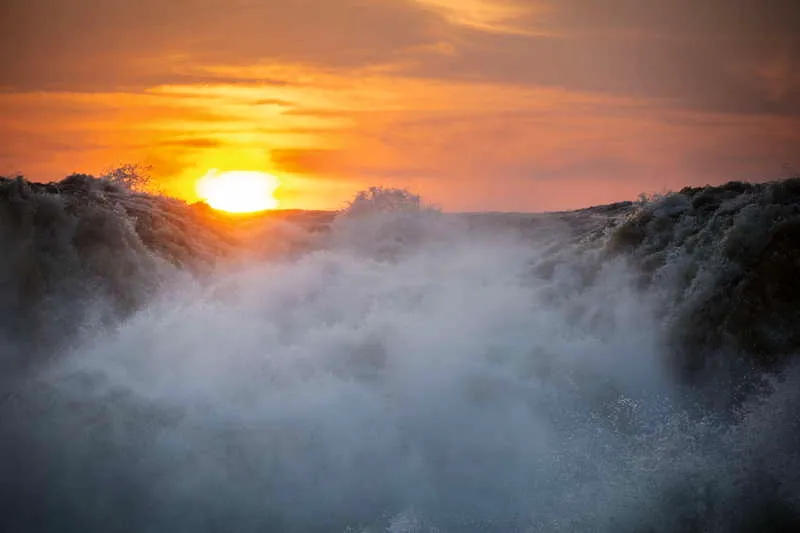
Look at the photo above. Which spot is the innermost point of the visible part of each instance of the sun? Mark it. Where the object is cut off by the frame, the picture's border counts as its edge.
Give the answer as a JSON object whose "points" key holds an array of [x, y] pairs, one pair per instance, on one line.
{"points": [[239, 191]]}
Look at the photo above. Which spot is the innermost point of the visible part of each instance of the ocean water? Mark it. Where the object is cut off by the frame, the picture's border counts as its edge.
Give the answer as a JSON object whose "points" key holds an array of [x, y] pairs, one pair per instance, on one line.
{"points": [[394, 368]]}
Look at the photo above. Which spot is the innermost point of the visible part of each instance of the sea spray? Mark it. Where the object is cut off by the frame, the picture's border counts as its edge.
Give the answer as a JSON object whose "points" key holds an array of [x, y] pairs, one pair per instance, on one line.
{"points": [[403, 370]]}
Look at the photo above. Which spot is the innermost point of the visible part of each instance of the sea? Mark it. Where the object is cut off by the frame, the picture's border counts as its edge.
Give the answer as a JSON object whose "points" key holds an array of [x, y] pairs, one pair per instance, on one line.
{"points": [[390, 367]]}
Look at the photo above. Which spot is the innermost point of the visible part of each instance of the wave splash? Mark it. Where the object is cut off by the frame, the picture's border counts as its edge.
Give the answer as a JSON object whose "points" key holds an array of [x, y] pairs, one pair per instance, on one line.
{"points": [[394, 368]]}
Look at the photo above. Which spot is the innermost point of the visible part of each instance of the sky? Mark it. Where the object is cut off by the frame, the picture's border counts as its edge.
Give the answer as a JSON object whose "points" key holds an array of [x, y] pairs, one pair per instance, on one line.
{"points": [[522, 105]]}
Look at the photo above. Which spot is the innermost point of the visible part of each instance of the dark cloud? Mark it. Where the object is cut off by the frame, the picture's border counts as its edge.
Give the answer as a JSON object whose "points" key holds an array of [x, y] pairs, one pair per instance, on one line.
{"points": [[668, 19], [739, 56], [192, 142], [108, 44], [310, 160]]}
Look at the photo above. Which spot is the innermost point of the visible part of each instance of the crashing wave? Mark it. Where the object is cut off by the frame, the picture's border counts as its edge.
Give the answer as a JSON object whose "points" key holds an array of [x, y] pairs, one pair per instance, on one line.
{"points": [[394, 368], [729, 257], [84, 250]]}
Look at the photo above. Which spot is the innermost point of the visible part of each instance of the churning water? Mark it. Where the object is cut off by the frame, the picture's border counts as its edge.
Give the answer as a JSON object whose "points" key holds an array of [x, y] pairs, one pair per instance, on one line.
{"points": [[394, 368]]}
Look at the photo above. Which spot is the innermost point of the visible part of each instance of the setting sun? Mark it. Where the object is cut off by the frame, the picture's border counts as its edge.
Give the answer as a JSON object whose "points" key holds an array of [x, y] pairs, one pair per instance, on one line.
{"points": [[239, 191]]}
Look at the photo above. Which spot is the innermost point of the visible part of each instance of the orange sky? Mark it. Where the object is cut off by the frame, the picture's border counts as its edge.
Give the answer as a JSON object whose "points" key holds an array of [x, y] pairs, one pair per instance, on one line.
{"points": [[475, 104]]}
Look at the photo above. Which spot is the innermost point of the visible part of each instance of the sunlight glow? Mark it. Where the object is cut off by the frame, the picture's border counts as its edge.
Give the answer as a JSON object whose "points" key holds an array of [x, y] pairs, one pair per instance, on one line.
{"points": [[239, 191]]}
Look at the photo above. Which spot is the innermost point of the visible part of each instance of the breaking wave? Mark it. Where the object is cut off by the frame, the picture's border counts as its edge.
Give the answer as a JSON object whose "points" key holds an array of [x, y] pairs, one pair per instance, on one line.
{"points": [[623, 368]]}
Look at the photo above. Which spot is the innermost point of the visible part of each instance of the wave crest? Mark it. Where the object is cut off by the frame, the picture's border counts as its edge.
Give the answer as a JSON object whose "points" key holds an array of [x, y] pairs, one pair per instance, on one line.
{"points": [[392, 367]]}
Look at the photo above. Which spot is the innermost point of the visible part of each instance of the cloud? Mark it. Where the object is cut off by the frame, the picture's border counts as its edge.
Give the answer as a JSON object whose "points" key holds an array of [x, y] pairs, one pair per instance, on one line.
{"points": [[562, 159], [495, 16], [274, 102], [308, 161], [669, 19], [546, 95], [192, 142], [737, 56], [66, 44]]}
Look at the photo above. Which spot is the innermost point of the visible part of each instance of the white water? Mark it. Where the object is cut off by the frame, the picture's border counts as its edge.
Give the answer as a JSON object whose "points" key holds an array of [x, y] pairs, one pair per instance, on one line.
{"points": [[408, 373]]}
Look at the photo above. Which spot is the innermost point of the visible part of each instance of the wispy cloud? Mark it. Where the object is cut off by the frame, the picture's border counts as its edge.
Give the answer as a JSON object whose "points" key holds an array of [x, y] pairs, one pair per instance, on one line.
{"points": [[500, 16]]}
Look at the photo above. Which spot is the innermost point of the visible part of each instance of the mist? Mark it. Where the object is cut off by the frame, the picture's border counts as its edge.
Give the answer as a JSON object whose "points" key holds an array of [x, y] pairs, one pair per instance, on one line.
{"points": [[392, 368]]}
